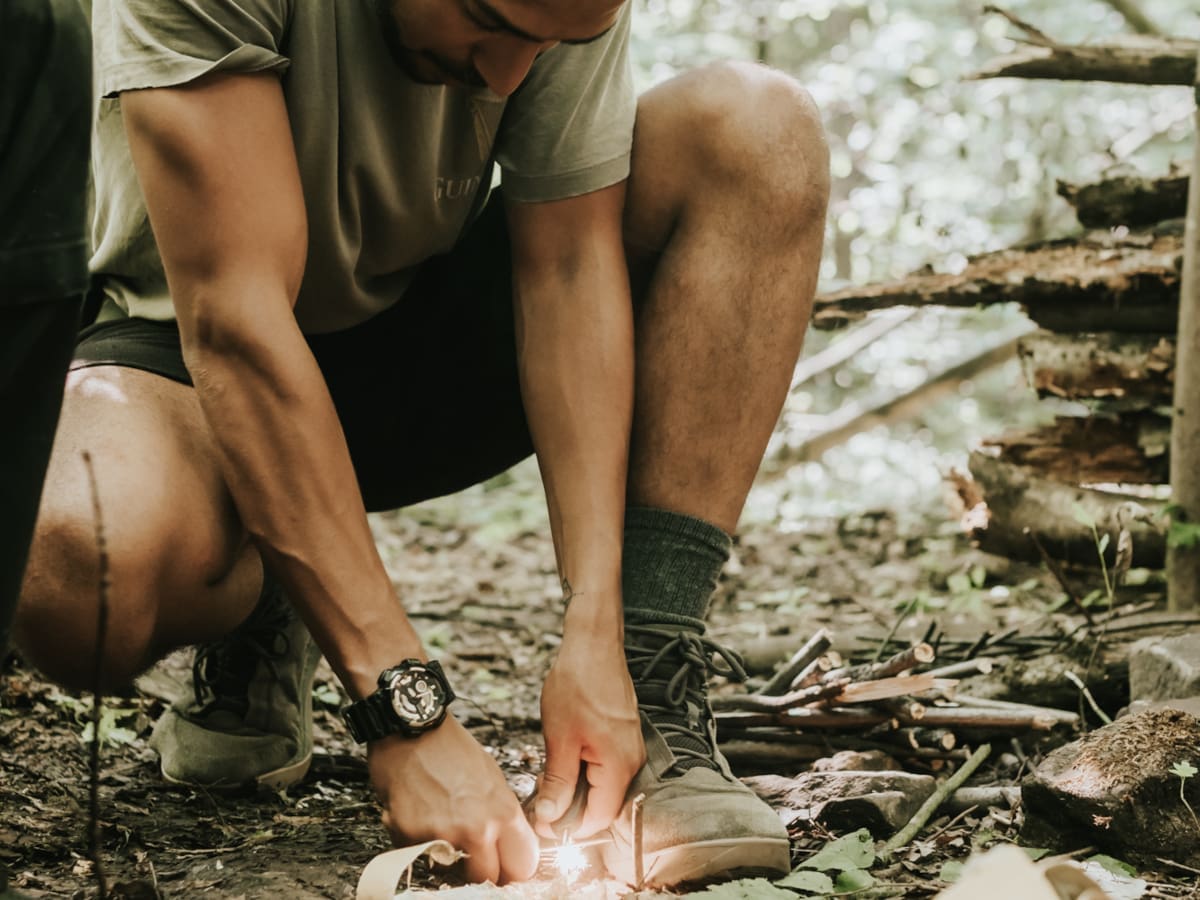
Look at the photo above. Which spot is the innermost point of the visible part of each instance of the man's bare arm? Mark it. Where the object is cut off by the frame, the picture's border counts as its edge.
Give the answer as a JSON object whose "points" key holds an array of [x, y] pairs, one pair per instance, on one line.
{"points": [[575, 346], [218, 170]]}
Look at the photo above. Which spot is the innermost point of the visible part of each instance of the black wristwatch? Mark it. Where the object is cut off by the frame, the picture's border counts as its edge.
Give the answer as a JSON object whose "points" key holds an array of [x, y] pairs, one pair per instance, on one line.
{"points": [[411, 700]]}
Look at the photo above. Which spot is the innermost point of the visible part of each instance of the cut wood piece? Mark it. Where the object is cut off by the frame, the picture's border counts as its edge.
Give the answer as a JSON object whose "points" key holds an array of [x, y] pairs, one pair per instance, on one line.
{"points": [[1015, 499], [767, 703], [1129, 199], [1128, 449], [1099, 282], [800, 660], [885, 688], [1132, 367], [1128, 59]]}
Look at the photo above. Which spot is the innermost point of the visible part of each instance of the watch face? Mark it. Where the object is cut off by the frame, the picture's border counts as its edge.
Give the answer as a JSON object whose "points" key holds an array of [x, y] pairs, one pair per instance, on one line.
{"points": [[418, 697]]}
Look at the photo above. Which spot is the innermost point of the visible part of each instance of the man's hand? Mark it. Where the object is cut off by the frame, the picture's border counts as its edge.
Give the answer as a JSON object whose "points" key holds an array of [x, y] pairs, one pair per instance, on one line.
{"points": [[589, 716], [444, 785]]}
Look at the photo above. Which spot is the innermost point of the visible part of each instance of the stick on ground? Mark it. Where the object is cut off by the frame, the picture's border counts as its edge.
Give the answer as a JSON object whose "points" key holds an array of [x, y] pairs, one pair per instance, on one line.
{"points": [[930, 806]]}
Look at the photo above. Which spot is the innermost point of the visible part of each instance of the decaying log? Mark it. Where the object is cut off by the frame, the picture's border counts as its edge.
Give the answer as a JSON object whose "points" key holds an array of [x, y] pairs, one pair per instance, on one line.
{"points": [[1129, 367], [1099, 282], [1127, 449], [1129, 59], [1129, 199], [1014, 499]]}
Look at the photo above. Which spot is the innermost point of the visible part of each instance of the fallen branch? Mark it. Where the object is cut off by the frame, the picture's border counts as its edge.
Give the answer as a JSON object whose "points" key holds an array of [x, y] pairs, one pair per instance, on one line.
{"points": [[97, 684], [1126, 60], [812, 649], [885, 688], [910, 658], [930, 806], [764, 703]]}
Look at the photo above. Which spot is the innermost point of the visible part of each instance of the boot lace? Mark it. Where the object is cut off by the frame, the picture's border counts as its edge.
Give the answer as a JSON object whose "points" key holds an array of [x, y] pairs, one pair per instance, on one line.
{"points": [[223, 669], [670, 671]]}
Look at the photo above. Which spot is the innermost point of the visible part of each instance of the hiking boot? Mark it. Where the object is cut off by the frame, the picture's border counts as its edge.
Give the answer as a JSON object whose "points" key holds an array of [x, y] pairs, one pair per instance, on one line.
{"points": [[698, 820], [249, 721]]}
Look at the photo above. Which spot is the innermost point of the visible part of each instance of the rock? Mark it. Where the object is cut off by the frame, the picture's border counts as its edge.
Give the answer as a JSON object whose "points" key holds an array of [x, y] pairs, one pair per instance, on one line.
{"points": [[1114, 789], [881, 802], [854, 761], [1164, 667], [1184, 704]]}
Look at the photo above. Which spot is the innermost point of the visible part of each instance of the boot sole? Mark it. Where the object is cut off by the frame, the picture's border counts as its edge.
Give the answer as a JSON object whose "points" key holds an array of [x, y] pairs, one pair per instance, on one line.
{"points": [[275, 780], [702, 859]]}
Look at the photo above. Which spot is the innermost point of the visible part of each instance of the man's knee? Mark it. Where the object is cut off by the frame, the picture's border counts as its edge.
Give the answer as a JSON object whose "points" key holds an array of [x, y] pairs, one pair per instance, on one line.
{"points": [[750, 128]]}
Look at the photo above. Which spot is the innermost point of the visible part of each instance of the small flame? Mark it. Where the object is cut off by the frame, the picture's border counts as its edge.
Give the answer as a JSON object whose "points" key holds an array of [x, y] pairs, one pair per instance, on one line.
{"points": [[570, 860]]}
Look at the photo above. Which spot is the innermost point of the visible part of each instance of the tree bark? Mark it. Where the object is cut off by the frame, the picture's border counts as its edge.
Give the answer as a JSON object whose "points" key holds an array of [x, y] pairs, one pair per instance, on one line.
{"points": [[1183, 563], [1129, 199], [1137, 369], [1100, 282], [1017, 499], [1130, 449], [1128, 60]]}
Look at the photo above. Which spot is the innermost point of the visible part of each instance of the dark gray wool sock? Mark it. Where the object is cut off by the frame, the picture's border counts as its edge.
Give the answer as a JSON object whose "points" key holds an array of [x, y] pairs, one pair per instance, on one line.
{"points": [[670, 566]]}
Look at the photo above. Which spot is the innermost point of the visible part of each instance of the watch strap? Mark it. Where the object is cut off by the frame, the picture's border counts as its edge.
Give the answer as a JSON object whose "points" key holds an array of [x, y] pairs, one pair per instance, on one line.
{"points": [[371, 718]]}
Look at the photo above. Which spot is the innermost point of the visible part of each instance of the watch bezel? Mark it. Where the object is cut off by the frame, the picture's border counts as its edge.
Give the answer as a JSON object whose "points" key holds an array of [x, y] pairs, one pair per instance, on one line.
{"points": [[399, 684]]}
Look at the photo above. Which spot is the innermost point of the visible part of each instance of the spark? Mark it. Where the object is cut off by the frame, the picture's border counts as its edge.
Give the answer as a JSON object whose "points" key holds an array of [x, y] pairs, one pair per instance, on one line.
{"points": [[570, 859]]}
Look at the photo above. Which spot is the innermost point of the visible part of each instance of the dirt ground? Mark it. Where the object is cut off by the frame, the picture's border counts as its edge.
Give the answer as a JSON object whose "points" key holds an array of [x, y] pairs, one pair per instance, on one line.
{"points": [[476, 573]]}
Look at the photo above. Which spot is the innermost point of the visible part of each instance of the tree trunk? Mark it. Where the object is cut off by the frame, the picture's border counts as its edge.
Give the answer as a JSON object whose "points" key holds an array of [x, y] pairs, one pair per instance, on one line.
{"points": [[1183, 563]]}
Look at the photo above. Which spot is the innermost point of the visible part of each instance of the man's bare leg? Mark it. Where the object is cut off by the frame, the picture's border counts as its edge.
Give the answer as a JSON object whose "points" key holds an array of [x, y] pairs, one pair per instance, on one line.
{"points": [[180, 567], [724, 222], [724, 225]]}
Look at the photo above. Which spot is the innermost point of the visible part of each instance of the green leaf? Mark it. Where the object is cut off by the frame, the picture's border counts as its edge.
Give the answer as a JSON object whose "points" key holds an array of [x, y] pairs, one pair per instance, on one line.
{"points": [[958, 583], [978, 576], [1103, 545], [1113, 865], [854, 880], [851, 851], [1036, 853], [746, 889], [1082, 516], [951, 871], [809, 881], [1183, 535], [1184, 769]]}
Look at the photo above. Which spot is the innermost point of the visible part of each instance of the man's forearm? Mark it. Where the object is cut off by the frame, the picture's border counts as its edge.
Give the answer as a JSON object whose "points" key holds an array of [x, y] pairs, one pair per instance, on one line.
{"points": [[575, 340], [285, 460]]}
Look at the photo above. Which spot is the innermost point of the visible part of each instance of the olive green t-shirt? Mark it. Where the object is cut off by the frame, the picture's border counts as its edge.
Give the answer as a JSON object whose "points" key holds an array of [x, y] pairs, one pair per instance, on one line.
{"points": [[392, 170]]}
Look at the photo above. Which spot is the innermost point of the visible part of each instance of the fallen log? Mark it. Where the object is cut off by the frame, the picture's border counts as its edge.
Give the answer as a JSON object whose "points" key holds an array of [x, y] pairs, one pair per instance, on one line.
{"points": [[1127, 449], [1095, 283], [1015, 499], [1128, 59], [1129, 367], [1129, 199]]}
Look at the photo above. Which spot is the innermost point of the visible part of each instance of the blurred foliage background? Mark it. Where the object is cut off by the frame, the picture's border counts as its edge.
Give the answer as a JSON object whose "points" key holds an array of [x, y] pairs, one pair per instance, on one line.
{"points": [[928, 168]]}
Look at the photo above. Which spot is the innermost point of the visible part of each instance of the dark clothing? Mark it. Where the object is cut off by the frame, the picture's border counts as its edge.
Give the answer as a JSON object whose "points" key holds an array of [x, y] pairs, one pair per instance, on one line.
{"points": [[45, 119], [45, 122], [426, 391]]}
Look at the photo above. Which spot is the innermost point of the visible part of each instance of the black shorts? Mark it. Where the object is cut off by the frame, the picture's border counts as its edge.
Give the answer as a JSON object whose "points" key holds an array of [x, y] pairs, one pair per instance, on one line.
{"points": [[427, 391]]}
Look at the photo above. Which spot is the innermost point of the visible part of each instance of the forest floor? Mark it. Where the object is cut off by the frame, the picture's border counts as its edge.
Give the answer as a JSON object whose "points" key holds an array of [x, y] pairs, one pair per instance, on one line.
{"points": [[476, 573]]}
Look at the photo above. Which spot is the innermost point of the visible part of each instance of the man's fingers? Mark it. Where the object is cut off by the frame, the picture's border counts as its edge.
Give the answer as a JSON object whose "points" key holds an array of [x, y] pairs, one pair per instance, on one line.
{"points": [[483, 861], [519, 851], [557, 787], [605, 798]]}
